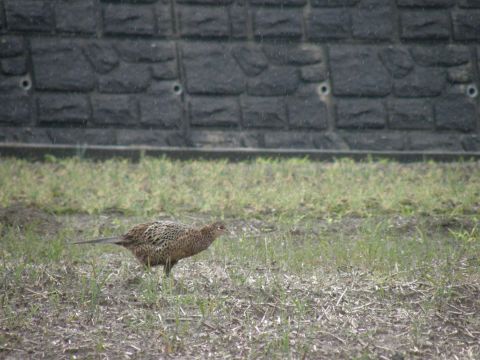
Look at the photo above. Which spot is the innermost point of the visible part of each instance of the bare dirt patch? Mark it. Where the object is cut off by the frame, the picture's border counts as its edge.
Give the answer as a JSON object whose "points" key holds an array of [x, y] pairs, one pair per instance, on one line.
{"points": [[24, 216], [210, 312]]}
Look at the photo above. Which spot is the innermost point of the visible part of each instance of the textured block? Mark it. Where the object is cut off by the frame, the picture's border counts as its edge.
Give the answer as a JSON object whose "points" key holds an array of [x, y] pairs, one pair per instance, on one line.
{"points": [[102, 56], [440, 55], [471, 142], [264, 112], [426, 3], [325, 24], [273, 22], [334, 3], [2, 18], [127, 78], [165, 88], [466, 25], [329, 141], [251, 59], [11, 46], [198, 21], [469, 3], [161, 111], [397, 61], [150, 137], [357, 70], [81, 136], [166, 70], [374, 141], [274, 81], [373, 23], [24, 135], [421, 82], [11, 85], [410, 114], [132, 1], [147, 51], [455, 113], [30, 15], [218, 111], [306, 110], [14, 66], [205, 2], [114, 110], [314, 73], [296, 55], [279, 2], [238, 20], [224, 138], [76, 16], [360, 114], [61, 108], [434, 142], [288, 140], [163, 19], [460, 74], [15, 109], [422, 25], [129, 19], [61, 65], [211, 69]]}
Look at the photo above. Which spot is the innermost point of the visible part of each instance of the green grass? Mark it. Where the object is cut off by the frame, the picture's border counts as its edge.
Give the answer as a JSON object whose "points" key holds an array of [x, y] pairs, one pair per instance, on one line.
{"points": [[287, 190], [332, 260]]}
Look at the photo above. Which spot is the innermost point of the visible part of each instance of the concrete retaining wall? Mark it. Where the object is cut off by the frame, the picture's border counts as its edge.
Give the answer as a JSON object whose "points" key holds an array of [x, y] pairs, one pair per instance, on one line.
{"points": [[344, 75]]}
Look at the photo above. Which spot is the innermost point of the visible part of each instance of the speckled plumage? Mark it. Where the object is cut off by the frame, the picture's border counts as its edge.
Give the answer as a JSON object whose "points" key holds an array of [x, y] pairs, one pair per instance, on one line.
{"points": [[165, 242]]}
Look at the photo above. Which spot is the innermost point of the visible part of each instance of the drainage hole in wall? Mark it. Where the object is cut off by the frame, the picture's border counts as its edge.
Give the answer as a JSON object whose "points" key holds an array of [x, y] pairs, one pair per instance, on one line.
{"points": [[324, 89], [25, 84], [177, 89], [472, 91]]}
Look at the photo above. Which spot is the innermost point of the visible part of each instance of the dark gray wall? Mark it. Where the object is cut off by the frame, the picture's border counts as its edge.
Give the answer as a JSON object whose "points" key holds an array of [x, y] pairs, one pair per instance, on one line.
{"points": [[327, 74]]}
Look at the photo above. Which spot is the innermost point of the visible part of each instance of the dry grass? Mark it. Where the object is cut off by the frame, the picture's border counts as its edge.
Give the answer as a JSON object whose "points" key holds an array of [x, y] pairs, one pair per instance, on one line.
{"points": [[387, 271]]}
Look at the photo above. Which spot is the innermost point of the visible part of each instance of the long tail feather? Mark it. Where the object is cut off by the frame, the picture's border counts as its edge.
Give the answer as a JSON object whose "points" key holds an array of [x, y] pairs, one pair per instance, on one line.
{"points": [[108, 240]]}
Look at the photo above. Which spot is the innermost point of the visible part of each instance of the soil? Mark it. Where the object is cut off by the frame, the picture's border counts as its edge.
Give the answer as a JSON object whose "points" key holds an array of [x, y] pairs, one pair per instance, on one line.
{"points": [[217, 309], [23, 215]]}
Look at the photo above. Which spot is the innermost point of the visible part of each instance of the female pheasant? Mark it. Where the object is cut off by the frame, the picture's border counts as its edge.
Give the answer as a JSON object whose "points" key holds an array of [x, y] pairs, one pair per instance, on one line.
{"points": [[164, 242]]}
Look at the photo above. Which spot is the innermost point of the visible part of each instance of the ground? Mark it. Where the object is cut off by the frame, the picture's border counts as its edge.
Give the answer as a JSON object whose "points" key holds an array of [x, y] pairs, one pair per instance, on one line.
{"points": [[323, 260]]}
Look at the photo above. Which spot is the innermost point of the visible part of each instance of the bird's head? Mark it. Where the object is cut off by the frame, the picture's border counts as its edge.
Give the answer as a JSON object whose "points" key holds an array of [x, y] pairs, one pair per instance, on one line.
{"points": [[219, 228]]}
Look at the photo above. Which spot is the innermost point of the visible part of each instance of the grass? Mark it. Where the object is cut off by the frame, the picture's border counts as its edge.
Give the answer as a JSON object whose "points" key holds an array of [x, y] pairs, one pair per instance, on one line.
{"points": [[325, 260], [288, 190]]}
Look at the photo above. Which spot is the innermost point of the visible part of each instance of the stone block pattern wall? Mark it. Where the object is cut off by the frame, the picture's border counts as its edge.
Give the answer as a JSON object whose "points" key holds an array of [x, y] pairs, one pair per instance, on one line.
{"points": [[316, 74]]}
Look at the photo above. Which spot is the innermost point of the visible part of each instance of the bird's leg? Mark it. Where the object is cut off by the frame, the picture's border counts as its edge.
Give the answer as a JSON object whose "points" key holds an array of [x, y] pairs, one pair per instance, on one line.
{"points": [[168, 267]]}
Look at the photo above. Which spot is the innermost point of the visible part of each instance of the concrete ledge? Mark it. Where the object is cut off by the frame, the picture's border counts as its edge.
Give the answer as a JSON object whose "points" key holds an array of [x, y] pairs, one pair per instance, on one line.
{"points": [[39, 151]]}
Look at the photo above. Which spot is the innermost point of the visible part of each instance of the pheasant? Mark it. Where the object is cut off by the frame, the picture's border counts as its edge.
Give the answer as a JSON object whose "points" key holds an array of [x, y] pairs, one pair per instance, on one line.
{"points": [[164, 242]]}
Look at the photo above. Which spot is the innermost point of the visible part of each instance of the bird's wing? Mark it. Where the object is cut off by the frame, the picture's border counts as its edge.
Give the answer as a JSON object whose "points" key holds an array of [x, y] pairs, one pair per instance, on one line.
{"points": [[156, 233]]}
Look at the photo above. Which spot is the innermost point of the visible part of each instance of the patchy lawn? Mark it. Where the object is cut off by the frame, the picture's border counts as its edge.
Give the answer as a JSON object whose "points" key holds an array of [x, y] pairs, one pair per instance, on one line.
{"points": [[325, 260]]}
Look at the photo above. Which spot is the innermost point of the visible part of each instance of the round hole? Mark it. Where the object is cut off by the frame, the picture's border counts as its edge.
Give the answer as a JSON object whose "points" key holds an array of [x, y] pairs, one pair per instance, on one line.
{"points": [[25, 83], [324, 89], [472, 91], [177, 89]]}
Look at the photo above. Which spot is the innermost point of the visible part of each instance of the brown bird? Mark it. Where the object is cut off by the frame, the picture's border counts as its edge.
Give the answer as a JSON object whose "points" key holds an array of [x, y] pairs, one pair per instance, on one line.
{"points": [[164, 242]]}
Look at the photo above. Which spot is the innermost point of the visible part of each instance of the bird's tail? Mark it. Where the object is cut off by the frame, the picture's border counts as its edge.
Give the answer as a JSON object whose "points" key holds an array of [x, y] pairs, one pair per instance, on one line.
{"points": [[108, 240]]}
